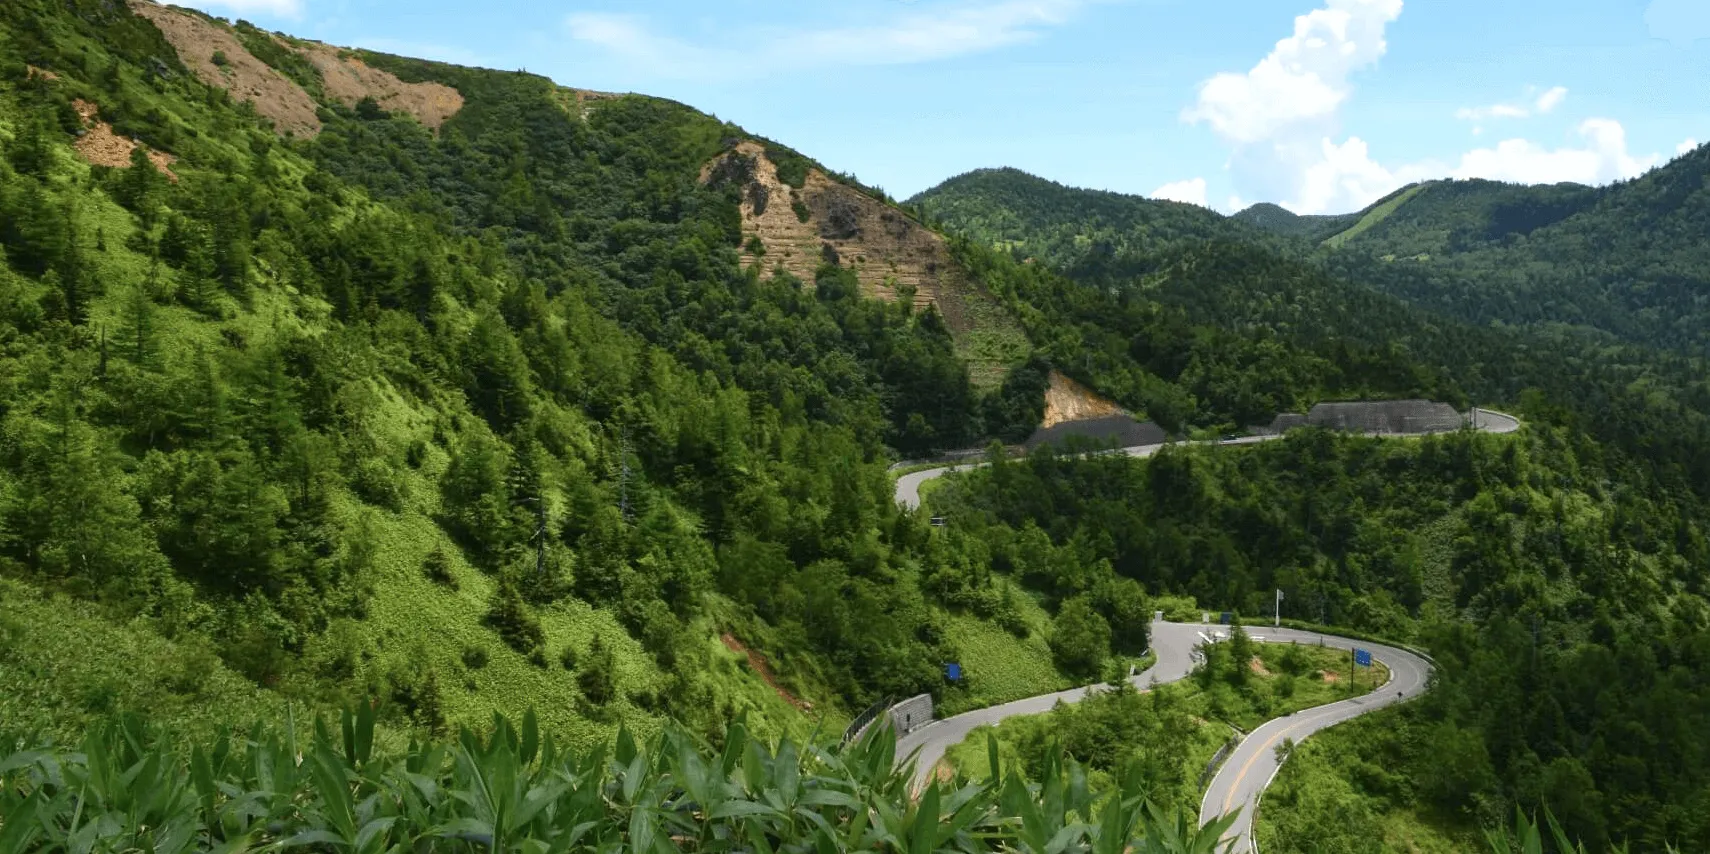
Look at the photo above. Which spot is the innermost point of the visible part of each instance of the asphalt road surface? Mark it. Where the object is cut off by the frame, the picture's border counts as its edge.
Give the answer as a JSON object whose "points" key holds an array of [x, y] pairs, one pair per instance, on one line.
{"points": [[1252, 766], [908, 486], [1172, 643], [1246, 773]]}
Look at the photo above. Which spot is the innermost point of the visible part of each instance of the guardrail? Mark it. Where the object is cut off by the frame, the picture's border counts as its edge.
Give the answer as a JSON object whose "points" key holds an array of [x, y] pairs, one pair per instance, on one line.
{"points": [[1218, 758], [866, 719]]}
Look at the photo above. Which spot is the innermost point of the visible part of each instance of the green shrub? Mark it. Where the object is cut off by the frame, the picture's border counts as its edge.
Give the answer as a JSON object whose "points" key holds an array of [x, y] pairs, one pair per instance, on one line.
{"points": [[792, 167], [437, 568], [474, 657], [511, 618], [1080, 638]]}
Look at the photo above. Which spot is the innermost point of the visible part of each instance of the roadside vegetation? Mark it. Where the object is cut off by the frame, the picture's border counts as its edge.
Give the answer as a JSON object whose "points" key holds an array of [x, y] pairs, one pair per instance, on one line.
{"points": [[1171, 731]]}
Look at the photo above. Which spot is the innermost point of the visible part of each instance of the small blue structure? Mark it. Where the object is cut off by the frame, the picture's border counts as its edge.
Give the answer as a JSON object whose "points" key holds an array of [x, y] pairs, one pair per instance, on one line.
{"points": [[1363, 657], [953, 672], [1228, 617]]}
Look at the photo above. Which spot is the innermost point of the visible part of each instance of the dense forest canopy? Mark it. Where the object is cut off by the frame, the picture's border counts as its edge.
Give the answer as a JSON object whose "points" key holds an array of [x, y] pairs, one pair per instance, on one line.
{"points": [[508, 371], [1566, 609]]}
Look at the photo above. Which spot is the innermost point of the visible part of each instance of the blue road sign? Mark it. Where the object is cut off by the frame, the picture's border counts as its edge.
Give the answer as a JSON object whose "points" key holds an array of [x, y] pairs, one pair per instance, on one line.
{"points": [[953, 672], [1363, 657]]}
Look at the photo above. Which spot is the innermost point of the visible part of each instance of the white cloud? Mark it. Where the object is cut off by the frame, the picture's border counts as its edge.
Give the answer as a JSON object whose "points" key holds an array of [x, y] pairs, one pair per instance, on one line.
{"points": [[1544, 103], [1680, 21], [1191, 191], [1686, 146], [1280, 119], [1551, 99], [1494, 111], [1603, 158], [911, 37], [1280, 115], [1304, 80], [279, 8]]}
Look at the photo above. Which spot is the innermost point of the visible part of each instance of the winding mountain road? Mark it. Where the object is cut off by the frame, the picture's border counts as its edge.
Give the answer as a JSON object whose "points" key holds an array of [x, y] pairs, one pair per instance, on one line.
{"points": [[1246, 773], [908, 486]]}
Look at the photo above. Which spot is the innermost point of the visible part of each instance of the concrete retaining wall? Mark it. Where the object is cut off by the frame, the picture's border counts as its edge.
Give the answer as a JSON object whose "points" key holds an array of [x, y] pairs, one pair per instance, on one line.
{"points": [[1123, 429], [911, 714], [1377, 416]]}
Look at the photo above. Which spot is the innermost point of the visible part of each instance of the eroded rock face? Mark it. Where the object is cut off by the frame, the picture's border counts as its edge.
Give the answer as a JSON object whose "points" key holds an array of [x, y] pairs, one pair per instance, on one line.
{"points": [[890, 253], [350, 80], [274, 96], [1067, 400]]}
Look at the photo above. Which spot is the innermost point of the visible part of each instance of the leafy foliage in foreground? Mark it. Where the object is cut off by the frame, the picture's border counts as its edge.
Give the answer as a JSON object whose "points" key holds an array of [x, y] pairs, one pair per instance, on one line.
{"points": [[511, 789]]}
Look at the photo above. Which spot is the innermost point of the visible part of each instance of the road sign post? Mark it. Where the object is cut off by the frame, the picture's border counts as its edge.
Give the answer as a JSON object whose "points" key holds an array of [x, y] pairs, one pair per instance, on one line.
{"points": [[1279, 607]]}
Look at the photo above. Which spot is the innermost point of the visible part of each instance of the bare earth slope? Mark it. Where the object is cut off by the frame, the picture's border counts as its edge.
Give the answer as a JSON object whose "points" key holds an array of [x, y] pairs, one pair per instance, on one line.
{"points": [[278, 98], [350, 80], [274, 96]]}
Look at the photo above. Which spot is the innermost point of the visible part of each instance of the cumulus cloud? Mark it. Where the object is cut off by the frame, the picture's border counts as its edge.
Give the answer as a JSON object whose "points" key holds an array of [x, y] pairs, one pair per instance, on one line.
{"points": [[1686, 146], [1280, 120], [1304, 80], [278, 8], [1680, 21], [1191, 191], [1601, 159], [942, 32], [1281, 115]]}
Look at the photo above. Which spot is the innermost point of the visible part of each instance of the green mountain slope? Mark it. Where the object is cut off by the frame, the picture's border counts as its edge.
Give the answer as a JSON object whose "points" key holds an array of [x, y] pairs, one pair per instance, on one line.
{"points": [[1010, 210], [458, 395], [1467, 560], [1275, 218], [1626, 260]]}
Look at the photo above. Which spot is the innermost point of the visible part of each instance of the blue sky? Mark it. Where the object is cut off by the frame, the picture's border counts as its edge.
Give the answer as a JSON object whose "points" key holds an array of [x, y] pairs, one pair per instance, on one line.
{"points": [[1320, 105]]}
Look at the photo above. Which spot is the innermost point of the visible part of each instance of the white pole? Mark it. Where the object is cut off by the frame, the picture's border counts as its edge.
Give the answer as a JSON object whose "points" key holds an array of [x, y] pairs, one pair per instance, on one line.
{"points": [[1279, 607]]}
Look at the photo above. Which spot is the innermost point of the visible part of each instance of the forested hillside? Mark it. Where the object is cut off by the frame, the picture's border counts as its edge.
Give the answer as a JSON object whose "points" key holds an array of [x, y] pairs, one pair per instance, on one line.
{"points": [[335, 379], [1628, 260], [1623, 260], [1476, 560], [1032, 217], [467, 404], [1281, 220], [1563, 601]]}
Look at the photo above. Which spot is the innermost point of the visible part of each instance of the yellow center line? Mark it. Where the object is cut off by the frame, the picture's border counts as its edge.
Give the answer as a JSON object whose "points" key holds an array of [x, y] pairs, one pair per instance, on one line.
{"points": [[1229, 799]]}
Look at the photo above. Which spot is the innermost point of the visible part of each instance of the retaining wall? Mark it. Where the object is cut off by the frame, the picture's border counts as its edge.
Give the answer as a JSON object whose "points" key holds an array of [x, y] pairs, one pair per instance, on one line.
{"points": [[1123, 428], [911, 714], [1374, 416]]}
